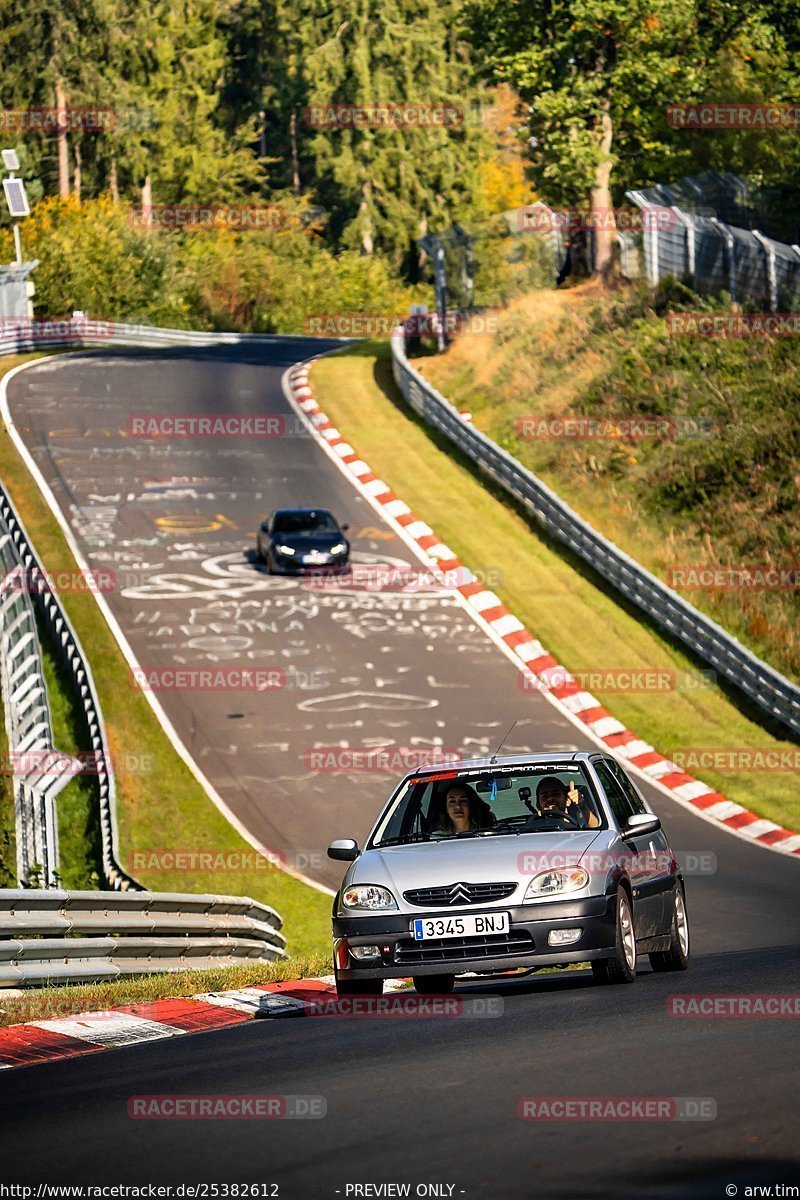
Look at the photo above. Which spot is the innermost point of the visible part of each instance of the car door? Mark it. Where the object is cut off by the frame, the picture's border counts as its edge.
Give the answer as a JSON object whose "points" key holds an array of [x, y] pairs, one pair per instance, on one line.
{"points": [[648, 902], [657, 858]]}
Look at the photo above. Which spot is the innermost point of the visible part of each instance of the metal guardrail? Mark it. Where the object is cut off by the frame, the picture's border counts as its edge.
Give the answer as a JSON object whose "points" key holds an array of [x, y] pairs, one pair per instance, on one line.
{"points": [[71, 937], [39, 772], [66, 640], [20, 336], [766, 687], [36, 824]]}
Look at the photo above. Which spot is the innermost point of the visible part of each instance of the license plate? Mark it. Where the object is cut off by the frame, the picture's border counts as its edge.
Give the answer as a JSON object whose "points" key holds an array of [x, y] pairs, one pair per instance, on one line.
{"points": [[470, 925], [315, 556]]}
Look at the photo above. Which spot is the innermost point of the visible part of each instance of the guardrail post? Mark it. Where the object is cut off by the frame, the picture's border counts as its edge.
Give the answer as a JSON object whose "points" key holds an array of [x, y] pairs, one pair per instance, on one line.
{"points": [[730, 254], [771, 274]]}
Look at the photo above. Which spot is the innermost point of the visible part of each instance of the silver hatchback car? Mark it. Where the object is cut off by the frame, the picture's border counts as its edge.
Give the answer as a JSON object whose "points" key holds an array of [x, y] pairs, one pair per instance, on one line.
{"points": [[502, 864]]}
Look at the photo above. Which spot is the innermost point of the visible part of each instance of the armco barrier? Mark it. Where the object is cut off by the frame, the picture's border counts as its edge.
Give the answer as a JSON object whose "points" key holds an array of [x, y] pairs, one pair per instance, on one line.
{"points": [[39, 771], [766, 687], [72, 937], [19, 336], [83, 333], [67, 643]]}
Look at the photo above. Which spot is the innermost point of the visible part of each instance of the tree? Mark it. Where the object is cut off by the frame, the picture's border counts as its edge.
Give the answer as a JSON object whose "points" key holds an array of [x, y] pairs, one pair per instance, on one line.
{"points": [[384, 186], [166, 63], [598, 75], [51, 55]]}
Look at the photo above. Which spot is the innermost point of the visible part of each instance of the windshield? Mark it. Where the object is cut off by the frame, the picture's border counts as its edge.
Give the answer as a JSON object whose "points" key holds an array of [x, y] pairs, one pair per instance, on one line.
{"points": [[482, 804], [304, 522]]}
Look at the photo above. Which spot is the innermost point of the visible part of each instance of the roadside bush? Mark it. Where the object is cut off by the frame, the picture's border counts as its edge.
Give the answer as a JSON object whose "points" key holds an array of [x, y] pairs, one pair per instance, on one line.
{"points": [[93, 259]]}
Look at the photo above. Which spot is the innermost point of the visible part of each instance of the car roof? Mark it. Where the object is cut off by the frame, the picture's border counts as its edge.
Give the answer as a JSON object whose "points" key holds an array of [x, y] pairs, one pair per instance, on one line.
{"points": [[505, 761], [297, 512]]}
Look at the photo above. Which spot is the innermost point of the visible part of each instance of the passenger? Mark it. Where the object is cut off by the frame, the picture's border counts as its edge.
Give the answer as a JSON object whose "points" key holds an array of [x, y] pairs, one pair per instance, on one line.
{"points": [[554, 799], [464, 811]]}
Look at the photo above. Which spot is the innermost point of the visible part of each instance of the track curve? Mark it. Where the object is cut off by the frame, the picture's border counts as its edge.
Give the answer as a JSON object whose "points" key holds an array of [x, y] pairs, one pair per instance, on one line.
{"points": [[396, 670]]}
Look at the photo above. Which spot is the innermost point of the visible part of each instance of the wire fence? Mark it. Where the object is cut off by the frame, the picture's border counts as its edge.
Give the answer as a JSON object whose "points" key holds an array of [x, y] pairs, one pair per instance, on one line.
{"points": [[683, 236]]}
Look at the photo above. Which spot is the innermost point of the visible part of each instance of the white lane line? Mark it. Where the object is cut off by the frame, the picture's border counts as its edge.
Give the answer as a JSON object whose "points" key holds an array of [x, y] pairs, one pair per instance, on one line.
{"points": [[150, 694]]}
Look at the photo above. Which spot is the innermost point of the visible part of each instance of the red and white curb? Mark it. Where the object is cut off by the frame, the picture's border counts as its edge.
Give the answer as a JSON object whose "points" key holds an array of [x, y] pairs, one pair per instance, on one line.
{"points": [[130, 1024], [530, 656]]}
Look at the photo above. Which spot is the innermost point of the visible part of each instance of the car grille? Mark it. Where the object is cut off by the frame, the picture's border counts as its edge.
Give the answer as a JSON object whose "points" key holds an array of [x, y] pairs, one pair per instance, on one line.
{"points": [[459, 893], [451, 950]]}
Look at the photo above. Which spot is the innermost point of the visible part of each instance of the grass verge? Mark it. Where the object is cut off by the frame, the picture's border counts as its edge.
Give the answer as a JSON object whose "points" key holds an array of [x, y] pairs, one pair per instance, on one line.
{"points": [[49, 1002], [8, 839], [578, 621], [162, 806], [719, 489], [78, 805]]}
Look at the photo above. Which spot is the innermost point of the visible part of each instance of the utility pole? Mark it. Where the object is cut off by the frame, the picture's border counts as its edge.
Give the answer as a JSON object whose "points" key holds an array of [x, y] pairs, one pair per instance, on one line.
{"points": [[433, 247]]}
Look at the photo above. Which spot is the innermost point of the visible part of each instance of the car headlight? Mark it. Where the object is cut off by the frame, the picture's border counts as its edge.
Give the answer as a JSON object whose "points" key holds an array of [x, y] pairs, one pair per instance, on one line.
{"points": [[554, 883], [286, 549], [368, 895], [339, 548]]}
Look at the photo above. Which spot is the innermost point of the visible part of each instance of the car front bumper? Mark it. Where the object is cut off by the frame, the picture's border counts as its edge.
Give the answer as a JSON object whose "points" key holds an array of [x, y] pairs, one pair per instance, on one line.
{"points": [[525, 944], [290, 566]]}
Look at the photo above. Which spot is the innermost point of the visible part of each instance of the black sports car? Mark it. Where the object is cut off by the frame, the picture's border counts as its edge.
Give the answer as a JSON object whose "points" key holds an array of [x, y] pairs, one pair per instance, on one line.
{"points": [[294, 540]]}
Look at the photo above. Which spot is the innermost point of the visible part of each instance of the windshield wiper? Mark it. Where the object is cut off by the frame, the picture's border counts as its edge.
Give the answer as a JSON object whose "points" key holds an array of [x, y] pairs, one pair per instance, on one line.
{"points": [[403, 839]]}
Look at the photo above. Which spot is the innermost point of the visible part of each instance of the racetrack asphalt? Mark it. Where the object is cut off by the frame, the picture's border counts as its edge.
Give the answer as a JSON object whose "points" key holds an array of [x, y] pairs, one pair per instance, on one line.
{"points": [[424, 1101]]}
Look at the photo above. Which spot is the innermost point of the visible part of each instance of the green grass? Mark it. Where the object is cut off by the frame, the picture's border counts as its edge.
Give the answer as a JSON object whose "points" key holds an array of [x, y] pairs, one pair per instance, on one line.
{"points": [[577, 619], [48, 1002], [729, 498], [77, 806], [8, 840], [161, 805]]}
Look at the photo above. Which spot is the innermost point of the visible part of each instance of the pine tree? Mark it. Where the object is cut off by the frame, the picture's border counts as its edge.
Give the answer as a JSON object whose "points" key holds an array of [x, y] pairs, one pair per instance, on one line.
{"points": [[50, 55], [383, 186], [167, 63]]}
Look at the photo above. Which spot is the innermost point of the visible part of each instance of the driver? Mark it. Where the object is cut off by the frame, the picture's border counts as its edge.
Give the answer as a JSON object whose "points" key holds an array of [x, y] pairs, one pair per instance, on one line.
{"points": [[554, 799]]}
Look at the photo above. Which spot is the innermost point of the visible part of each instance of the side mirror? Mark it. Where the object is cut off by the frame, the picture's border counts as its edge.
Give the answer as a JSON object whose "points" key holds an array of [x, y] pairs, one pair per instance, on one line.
{"points": [[640, 824], [344, 850], [344, 528]]}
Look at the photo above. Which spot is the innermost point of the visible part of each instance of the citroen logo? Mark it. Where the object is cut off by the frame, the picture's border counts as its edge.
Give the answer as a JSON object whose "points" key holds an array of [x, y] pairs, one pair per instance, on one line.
{"points": [[460, 893]]}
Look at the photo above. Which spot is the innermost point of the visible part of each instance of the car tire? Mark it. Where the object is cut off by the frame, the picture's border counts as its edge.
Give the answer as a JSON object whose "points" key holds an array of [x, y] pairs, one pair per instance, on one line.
{"points": [[677, 957], [621, 967], [433, 985]]}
